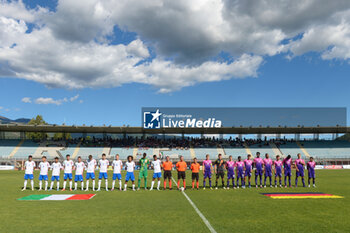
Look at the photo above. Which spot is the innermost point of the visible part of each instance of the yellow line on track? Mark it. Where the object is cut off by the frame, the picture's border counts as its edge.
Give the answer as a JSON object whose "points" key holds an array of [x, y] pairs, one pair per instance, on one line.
{"points": [[14, 151], [76, 150], [192, 152], [134, 152], [247, 149], [303, 149]]}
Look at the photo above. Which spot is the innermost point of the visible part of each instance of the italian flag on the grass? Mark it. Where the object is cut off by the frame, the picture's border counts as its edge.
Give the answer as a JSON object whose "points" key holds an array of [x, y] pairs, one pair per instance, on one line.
{"points": [[57, 197]]}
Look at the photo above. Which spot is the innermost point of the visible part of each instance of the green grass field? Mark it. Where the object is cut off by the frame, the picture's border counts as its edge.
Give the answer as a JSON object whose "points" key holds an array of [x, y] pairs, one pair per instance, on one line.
{"points": [[169, 211]]}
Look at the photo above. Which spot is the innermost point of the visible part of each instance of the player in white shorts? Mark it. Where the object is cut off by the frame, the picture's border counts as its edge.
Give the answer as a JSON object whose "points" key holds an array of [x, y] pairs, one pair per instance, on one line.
{"points": [[157, 171], [79, 170], [44, 170], [117, 168], [130, 167], [56, 170], [29, 168], [68, 167], [90, 172], [103, 163]]}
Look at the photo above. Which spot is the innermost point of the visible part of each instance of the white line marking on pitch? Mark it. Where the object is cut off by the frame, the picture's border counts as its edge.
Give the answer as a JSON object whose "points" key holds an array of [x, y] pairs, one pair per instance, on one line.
{"points": [[206, 222]]}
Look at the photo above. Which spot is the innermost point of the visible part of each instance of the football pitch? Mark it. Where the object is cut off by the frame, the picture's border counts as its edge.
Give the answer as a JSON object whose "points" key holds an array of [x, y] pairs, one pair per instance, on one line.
{"points": [[170, 211]]}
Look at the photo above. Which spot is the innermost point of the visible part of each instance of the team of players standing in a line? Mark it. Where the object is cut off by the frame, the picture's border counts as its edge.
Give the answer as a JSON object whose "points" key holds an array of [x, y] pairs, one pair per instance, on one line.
{"points": [[242, 170]]}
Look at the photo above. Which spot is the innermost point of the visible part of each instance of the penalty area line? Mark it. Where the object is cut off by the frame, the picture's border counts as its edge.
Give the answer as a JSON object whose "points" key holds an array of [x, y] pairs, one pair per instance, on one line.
{"points": [[204, 219]]}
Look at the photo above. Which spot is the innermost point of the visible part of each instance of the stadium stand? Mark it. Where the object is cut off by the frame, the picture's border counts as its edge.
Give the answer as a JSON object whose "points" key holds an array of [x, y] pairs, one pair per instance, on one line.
{"points": [[290, 148], [176, 153], [25, 149], [7, 147], [200, 153], [325, 150], [123, 152], [241, 151]]}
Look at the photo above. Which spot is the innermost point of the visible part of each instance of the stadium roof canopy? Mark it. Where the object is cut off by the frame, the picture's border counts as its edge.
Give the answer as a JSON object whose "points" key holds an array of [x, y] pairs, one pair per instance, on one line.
{"points": [[140, 130]]}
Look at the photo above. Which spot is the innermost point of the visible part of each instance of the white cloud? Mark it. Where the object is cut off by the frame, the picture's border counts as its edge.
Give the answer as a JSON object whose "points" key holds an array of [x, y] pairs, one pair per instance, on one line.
{"points": [[18, 11], [196, 30], [74, 98], [26, 100], [1, 107], [72, 50], [42, 100], [11, 30], [81, 21], [179, 76], [49, 100], [332, 39]]}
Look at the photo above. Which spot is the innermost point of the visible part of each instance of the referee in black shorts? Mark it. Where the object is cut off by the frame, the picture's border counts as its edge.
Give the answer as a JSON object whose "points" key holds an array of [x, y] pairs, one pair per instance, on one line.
{"points": [[195, 166], [181, 167], [167, 167]]}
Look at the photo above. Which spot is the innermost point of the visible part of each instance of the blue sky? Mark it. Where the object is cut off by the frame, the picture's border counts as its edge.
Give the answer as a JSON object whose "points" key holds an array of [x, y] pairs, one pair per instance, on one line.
{"points": [[281, 83], [314, 77]]}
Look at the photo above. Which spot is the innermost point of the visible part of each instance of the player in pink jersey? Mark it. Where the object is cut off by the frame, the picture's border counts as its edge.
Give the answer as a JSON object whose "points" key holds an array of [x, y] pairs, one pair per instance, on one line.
{"points": [[311, 171], [258, 163], [278, 170], [240, 172], [287, 164], [267, 169], [299, 164], [248, 163], [207, 170], [230, 167]]}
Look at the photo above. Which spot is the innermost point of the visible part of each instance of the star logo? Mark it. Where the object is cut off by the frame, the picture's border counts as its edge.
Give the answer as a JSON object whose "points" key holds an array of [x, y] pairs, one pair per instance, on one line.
{"points": [[156, 115]]}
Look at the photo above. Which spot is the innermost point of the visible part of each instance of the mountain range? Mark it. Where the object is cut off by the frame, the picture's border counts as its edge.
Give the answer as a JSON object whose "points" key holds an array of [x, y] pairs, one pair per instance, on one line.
{"points": [[5, 120]]}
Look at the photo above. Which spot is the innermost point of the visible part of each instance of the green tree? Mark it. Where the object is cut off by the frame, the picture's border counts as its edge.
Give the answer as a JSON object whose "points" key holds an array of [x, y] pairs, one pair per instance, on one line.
{"points": [[38, 120], [57, 136]]}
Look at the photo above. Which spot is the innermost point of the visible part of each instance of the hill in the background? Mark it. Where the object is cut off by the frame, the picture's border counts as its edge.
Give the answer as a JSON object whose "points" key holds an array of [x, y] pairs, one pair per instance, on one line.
{"points": [[345, 137], [5, 120]]}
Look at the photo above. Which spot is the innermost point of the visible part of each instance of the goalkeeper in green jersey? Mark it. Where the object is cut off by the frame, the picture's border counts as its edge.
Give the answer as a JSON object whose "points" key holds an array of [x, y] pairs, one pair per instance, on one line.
{"points": [[144, 163]]}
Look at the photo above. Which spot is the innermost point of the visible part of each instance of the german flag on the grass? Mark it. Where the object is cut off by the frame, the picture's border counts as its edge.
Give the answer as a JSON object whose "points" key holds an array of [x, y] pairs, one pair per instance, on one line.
{"points": [[300, 195]]}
